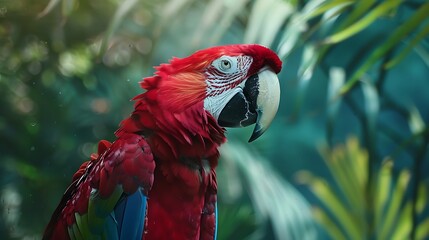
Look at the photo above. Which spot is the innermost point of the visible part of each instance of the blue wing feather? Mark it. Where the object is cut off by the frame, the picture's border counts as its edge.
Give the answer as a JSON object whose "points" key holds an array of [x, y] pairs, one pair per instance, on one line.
{"points": [[215, 235], [130, 214]]}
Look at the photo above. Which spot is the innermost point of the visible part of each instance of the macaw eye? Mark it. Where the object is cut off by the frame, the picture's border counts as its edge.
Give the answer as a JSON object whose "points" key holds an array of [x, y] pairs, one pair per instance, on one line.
{"points": [[226, 64]]}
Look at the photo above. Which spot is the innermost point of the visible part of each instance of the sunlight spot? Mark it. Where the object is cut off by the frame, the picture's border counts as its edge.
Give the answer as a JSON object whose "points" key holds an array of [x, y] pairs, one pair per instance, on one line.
{"points": [[87, 149], [142, 17], [3, 11], [75, 62], [24, 105], [144, 45], [11, 204], [100, 105]]}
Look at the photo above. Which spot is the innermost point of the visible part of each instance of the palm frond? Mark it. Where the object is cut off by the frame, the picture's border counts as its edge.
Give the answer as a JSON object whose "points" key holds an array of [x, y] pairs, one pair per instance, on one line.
{"points": [[274, 200], [393, 214]]}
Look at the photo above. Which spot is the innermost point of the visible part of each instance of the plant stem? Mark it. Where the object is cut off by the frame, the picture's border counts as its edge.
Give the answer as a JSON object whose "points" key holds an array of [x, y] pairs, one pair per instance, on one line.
{"points": [[417, 179]]}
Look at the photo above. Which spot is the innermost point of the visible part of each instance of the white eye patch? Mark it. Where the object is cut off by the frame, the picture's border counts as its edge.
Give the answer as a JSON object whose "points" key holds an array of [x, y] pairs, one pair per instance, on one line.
{"points": [[226, 64]]}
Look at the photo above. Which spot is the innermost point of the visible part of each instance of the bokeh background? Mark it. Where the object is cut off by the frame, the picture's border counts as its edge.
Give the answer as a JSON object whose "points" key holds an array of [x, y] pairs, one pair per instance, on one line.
{"points": [[345, 158]]}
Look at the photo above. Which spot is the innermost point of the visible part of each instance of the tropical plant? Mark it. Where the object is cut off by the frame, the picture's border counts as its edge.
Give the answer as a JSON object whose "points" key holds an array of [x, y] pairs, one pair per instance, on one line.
{"points": [[347, 209], [276, 203]]}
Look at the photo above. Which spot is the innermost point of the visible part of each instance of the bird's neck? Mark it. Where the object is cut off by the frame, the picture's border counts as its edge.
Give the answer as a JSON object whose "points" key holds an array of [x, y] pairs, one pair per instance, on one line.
{"points": [[189, 136]]}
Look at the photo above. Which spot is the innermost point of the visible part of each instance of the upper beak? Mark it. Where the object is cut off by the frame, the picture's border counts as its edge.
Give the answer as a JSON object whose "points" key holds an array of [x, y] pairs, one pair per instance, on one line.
{"points": [[256, 103], [267, 102]]}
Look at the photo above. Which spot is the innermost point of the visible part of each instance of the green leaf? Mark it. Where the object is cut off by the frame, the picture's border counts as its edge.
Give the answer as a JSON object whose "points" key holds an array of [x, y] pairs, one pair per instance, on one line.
{"points": [[359, 158], [422, 199], [226, 19], [372, 105], [210, 17], [328, 19], [305, 72], [360, 8], [291, 36], [379, 11], [328, 197], [274, 20], [330, 226], [48, 8], [67, 7], [297, 24], [168, 12], [404, 224], [422, 231], [328, 6], [394, 206], [336, 81], [265, 20], [423, 53], [384, 181], [400, 33], [120, 14], [336, 161], [410, 46], [415, 121], [268, 191]]}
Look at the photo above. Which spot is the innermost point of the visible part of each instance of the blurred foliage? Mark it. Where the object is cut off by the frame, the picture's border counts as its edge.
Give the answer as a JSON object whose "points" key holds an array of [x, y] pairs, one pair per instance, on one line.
{"points": [[275, 201], [68, 69], [346, 211]]}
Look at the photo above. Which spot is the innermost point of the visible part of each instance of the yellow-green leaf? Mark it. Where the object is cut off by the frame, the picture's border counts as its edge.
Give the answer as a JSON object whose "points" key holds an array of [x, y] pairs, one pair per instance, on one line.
{"points": [[330, 226], [416, 40], [422, 198], [48, 8], [67, 7], [422, 231], [384, 181], [327, 7], [400, 33], [350, 222], [379, 11], [404, 224], [394, 206]]}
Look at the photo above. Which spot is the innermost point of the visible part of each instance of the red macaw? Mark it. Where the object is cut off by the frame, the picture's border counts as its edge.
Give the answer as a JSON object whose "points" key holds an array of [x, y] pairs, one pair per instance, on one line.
{"points": [[157, 180]]}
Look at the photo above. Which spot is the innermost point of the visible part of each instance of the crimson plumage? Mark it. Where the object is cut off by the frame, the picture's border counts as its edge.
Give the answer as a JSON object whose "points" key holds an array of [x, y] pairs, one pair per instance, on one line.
{"points": [[167, 148]]}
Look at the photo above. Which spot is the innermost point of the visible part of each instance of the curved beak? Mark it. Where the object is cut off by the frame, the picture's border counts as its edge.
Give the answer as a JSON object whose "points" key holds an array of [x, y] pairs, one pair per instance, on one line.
{"points": [[267, 102], [256, 102]]}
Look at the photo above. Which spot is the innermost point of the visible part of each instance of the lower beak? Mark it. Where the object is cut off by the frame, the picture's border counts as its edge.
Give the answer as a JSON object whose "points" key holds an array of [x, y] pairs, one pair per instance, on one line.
{"points": [[256, 103]]}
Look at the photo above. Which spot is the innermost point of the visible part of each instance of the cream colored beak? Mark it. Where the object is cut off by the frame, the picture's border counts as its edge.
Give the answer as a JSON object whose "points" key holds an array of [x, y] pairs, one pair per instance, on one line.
{"points": [[267, 102]]}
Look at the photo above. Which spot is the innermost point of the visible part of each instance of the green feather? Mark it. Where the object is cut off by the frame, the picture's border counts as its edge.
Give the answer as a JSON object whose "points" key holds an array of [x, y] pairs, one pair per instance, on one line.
{"points": [[99, 209], [82, 223], [71, 233], [76, 232]]}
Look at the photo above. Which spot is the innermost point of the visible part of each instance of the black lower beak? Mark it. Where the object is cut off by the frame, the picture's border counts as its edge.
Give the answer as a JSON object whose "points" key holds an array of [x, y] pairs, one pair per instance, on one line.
{"points": [[240, 111], [255, 102]]}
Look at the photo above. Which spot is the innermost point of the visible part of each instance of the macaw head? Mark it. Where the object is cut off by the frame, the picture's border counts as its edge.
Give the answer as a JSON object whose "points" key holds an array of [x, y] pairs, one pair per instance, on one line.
{"points": [[236, 84]]}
